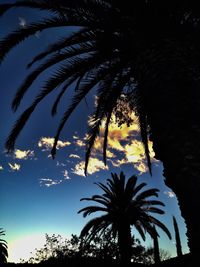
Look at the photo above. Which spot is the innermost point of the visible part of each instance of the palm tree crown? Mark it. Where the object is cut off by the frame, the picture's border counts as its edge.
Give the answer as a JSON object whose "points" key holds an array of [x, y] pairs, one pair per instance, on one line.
{"points": [[85, 58], [118, 66], [123, 205], [3, 248]]}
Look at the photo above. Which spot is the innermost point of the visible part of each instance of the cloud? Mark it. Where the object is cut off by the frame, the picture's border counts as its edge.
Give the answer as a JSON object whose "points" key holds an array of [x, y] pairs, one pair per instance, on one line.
{"points": [[23, 154], [80, 143], [123, 146], [66, 175], [74, 156], [170, 194], [49, 182], [47, 143], [1, 168], [14, 166], [60, 164], [94, 165], [22, 22]]}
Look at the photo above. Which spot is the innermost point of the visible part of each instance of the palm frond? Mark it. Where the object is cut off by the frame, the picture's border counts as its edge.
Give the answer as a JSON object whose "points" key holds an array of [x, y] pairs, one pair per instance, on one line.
{"points": [[155, 210], [79, 95], [21, 34], [152, 202], [106, 137], [147, 193], [19, 125], [80, 36], [130, 185], [160, 225], [105, 189], [140, 230], [138, 188], [91, 209], [106, 108], [70, 52], [62, 92], [96, 222], [99, 199]]}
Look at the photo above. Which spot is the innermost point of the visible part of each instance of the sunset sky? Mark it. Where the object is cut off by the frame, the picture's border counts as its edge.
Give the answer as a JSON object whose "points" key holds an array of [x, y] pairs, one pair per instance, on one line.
{"points": [[39, 195]]}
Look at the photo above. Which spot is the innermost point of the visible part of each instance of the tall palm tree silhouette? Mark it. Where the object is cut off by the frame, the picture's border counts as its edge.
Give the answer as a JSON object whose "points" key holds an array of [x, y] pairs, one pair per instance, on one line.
{"points": [[147, 50], [3, 248], [123, 205]]}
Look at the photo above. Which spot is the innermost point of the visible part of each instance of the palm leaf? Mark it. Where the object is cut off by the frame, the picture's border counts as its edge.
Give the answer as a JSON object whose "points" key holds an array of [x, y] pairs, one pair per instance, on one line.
{"points": [[72, 51], [82, 36], [91, 209], [160, 225], [147, 193], [23, 33]]}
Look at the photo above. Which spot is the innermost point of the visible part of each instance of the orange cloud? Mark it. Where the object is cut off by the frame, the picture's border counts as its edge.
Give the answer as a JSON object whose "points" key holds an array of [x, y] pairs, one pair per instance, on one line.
{"points": [[23, 154], [94, 166], [47, 143], [122, 140]]}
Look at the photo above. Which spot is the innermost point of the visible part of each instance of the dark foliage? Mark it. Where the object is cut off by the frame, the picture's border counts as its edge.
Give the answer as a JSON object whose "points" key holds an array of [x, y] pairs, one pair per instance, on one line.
{"points": [[3, 248], [123, 205]]}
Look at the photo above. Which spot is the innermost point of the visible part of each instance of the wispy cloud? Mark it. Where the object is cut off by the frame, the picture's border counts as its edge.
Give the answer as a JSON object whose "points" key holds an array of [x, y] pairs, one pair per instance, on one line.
{"points": [[80, 143], [14, 166], [22, 22], [94, 166], [23, 154], [60, 164], [170, 194], [49, 182], [1, 168], [46, 143], [66, 175], [74, 156]]}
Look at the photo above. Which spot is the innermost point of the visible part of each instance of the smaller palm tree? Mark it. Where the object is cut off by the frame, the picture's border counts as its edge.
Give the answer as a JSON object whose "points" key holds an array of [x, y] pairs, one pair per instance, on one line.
{"points": [[3, 248], [123, 206]]}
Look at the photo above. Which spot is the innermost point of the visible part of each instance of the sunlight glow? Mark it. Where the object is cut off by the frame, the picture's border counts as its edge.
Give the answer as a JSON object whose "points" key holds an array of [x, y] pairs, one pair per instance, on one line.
{"points": [[22, 248]]}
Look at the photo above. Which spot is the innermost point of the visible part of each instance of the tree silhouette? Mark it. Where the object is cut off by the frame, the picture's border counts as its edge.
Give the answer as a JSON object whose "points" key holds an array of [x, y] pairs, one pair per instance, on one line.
{"points": [[123, 205], [146, 50], [156, 249], [3, 248], [177, 237]]}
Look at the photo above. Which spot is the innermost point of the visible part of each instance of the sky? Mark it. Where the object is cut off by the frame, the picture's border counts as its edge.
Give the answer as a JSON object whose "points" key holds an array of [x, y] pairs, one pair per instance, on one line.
{"points": [[40, 195]]}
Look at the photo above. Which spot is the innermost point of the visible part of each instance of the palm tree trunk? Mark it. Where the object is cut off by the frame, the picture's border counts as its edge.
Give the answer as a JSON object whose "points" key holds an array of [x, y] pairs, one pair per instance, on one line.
{"points": [[177, 237], [177, 145], [171, 98], [156, 250], [124, 243]]}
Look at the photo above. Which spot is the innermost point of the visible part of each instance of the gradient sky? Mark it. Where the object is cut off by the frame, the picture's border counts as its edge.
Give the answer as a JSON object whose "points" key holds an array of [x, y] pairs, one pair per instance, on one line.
{"points": [[39, 195]]}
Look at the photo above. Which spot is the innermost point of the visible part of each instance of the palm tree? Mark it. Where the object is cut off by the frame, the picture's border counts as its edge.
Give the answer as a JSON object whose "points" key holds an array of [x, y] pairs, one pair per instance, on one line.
{"points": [[147, 51], [123, 205], [177, 237], [3, 248]]}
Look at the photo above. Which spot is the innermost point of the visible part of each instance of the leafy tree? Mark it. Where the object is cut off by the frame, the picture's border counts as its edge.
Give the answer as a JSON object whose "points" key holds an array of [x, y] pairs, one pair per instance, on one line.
{"points": [[145, 50], [102, 247], [123, 205], [3, 248], [149, 257]]}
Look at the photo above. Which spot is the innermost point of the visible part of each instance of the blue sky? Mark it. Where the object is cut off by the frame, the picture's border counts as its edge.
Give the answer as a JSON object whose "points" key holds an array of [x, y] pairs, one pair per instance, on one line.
{"points": [[39, 195]]}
